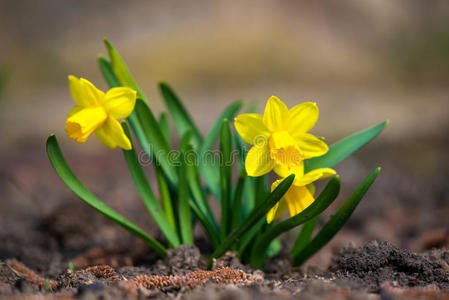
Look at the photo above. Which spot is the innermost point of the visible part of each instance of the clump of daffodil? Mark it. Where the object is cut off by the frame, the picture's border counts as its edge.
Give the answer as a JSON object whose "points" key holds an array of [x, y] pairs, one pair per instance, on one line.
{"points": [[279, 138], [96, 111], [300, 194]]}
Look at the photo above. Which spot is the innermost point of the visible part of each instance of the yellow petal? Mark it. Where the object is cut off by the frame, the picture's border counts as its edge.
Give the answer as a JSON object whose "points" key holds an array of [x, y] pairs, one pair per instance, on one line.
{"points": [[277, 211], [82, 123], [310, 145], [302, 117], [284, 171], [311, 187], [83, 92], [119, 102], [279, 208], [298, 198], [92, 93], [258, 161], [112, 135], [275, 116], [313, 176], [251, 128], [74, 110]]}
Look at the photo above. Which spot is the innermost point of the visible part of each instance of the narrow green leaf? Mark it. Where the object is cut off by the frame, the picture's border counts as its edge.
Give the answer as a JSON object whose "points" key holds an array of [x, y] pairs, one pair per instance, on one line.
{"points": [[121, 70], [108, 73], [211, 231], [249, 237], [196, 189], [225, 178], [62, 169], [147, 195], [181, 117], [258, 213], [209, 169], [336, 222], [343, 148], [185, 216], [237, 201], [327, 196], [166, 200], [165, 126], [304, 236], [157, 146]]}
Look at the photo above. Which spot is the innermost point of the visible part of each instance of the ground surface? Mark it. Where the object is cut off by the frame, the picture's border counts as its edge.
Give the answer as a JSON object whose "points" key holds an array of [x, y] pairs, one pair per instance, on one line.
{"points": [[44, 227]]}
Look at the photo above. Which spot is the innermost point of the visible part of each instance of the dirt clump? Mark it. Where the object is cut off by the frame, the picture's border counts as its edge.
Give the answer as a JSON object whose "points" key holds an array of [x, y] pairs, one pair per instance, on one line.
{"points": [[377, 263]]}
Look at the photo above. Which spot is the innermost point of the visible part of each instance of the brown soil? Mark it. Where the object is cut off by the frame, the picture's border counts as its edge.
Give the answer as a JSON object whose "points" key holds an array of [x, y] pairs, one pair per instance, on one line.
{"points": [[44, 227]]}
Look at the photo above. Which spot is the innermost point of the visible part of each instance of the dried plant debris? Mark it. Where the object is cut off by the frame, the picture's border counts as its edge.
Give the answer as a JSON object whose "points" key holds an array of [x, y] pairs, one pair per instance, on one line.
{"points": [[376, 263], [193, 279], [31, 276], [103, 271]]}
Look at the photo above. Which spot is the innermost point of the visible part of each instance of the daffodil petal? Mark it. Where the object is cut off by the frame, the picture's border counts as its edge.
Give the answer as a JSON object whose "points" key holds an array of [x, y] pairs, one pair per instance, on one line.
{"points": [[298, 198], [279, 208], [119, 102], [74, 110], [92, 94], [111, 134], [302, 117], [313, 176], [310, 145], [251, 128], [277, 211], [258, 161], [83, 92], [275, 116], [283, 171], [77, 91], [312, 189]]}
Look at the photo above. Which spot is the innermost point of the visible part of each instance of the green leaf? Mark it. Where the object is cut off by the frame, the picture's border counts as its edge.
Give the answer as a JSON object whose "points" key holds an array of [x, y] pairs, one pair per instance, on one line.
{"points": [[249, 237], [62, 169], [237, 201], [327, 196], [196, 189], [304, 235], [258, 213], [147, 195], [108, 73], [225, 178], [121, 70], [343, 148], [181, 117], [209, 170], [185, 216], [166, 200], [157, 146], [336, 222], [165, 127]]}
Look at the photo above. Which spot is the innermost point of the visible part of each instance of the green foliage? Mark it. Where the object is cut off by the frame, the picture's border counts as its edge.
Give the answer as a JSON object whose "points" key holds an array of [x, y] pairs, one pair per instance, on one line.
{"points": [[62, 169], [302, 253], [184, 199]]}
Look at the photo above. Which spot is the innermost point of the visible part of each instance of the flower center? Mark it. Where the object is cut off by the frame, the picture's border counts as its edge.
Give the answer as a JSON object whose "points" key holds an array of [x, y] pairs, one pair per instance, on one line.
{"points": [[80, 125], [284, 150]]}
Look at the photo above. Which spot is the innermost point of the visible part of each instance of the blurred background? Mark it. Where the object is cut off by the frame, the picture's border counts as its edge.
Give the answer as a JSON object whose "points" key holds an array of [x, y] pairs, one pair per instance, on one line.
{"points": [[361, 61]]}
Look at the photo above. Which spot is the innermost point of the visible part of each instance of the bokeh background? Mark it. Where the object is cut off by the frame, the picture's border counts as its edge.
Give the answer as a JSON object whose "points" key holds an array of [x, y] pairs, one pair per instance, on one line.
{"points": [[361, 61]]}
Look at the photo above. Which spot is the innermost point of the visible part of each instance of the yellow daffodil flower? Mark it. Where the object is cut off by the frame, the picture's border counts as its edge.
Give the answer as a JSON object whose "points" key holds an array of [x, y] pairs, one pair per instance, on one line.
{"points": [[279, 138], [98, 112], [300, 194]]}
